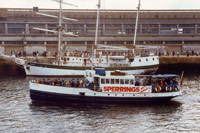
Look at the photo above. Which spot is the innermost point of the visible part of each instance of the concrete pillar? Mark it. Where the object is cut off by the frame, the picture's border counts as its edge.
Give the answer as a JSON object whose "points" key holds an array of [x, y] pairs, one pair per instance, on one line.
{"points": [[65, 28], [159, 27], [195, 29], [27, 31], [84, 29], [140, 29], [46, 27], [6, 28], [1, 49], [104, 29], [122, 29], [177, 27]]}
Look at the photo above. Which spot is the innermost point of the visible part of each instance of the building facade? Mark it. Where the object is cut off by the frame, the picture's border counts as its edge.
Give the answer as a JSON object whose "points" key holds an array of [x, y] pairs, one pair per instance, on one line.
{"points": [[176, 30]]}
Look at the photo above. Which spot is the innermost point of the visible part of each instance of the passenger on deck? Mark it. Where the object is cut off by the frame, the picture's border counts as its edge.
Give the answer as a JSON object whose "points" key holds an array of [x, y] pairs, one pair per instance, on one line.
{"points": [[77, 83], [153, 84], [137, 83], [73, 83]]}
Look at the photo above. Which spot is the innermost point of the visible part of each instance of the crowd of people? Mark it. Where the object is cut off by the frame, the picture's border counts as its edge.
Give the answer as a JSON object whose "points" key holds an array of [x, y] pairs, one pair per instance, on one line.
{"points": [[65, 83], [158, 85], [165, 85]]}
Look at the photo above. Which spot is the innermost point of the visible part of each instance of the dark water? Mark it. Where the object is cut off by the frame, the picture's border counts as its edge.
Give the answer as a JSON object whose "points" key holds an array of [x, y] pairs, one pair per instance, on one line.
{"points": [[19, 114]]}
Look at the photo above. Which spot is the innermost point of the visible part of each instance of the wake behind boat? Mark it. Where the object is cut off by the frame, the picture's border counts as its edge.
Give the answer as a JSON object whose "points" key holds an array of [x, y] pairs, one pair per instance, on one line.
{"points": [[117, 87]]}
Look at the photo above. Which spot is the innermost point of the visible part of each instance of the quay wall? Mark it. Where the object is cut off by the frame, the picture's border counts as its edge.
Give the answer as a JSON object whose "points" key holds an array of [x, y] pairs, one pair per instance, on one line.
{"points": [[168, 64], [179, 60]]}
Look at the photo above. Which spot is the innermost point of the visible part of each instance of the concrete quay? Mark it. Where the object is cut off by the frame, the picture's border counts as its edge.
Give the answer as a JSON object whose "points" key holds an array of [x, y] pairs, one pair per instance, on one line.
{"points": [[179, 60]]}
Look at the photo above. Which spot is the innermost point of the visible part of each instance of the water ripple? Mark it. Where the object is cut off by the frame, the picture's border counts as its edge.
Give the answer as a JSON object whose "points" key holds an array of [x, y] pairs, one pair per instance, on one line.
{"points": [[19, 114]]}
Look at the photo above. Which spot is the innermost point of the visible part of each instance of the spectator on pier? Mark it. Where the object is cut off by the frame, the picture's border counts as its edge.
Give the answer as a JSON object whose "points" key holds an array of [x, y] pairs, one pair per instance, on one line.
{"points": [[24, 54], [192, 52], [19, 54], [73, 83], [177, 54], [188, 54], [167, 53], [77, 83], [173, 53], [197, 53]]}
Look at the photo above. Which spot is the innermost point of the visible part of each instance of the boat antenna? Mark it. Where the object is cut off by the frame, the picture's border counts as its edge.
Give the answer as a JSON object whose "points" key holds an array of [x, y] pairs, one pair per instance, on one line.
{"points": [[94, 48], [60, 29], [136, 26]]}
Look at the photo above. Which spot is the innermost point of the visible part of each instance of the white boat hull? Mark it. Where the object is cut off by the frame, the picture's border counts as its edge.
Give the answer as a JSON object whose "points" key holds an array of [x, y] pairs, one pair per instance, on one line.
{"points": [[41, 92], [44, 71], [143, 65]]}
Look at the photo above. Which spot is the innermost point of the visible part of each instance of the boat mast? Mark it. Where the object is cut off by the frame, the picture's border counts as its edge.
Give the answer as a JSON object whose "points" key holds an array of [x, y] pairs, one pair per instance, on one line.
{"points": [[60, 32], [94, 48], [136, 26]]}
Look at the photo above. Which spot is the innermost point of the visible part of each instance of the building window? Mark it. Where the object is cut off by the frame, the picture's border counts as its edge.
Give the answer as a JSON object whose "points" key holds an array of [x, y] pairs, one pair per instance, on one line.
{"points": [[13, 42], [35, 42], [16, 28]]}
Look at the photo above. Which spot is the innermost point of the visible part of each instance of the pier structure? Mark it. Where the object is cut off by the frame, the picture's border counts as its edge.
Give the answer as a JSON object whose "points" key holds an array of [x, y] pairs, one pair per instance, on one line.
{"points": [[172, 30]]}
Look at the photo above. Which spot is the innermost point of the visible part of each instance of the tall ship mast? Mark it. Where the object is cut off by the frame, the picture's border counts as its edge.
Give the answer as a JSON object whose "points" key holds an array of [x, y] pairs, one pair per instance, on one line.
{"points": [[136, 26], [97, 28]]}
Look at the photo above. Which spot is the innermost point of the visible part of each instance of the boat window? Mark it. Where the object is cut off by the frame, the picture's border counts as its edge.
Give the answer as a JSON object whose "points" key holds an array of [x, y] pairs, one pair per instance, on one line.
{"points": [[107, 81], [131, 81], [112, 81], [82, 93], [153, 58], [102, 81], [121, 81], [139, 60], [126, 81], [146, 59], [116, 81]]}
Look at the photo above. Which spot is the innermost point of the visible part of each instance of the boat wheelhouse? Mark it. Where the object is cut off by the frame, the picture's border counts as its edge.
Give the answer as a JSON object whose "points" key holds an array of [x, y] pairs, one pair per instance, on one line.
{"points": [[118, 87]]}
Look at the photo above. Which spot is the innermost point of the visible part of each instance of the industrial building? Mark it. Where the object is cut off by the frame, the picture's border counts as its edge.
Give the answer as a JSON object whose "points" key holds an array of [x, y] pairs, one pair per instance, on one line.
{"points": [[175, 30]]}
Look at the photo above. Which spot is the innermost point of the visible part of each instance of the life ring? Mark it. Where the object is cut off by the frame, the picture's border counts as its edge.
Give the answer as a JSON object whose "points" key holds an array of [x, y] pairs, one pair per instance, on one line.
{"points": [[176, 88], [168, 88], [158, 89]]}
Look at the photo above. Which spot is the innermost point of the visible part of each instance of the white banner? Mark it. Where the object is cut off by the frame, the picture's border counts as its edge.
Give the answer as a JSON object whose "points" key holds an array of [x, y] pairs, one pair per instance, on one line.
{"points": [[127, 89]]}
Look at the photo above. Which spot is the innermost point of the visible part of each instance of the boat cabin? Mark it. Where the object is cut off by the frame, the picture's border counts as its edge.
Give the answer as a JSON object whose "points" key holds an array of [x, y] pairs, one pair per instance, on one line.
{"points": [[120, 82]]}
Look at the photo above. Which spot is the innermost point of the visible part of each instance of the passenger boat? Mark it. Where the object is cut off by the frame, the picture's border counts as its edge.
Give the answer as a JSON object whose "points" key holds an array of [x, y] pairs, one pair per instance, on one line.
{"points": [[99, 87]]}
